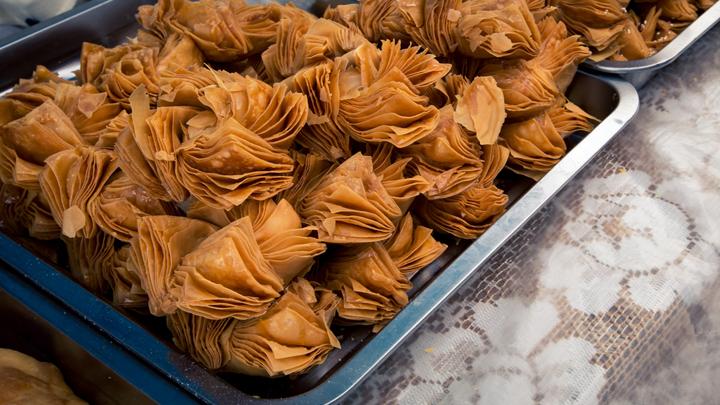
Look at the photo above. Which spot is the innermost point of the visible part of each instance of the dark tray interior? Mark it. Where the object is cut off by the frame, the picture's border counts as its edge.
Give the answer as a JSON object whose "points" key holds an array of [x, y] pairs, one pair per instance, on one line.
{"points": [[34, 332]]}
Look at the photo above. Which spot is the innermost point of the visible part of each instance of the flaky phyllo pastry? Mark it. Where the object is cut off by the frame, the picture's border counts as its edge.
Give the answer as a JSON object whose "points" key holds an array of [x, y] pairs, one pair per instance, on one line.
{"points": [[413, 247], [119, 205], [70, 180], [127, 292], [351, 205], [227, 276], [207, 168], [156, 252], [91, 259], [268, 347], [621, 31], [371, 286]]}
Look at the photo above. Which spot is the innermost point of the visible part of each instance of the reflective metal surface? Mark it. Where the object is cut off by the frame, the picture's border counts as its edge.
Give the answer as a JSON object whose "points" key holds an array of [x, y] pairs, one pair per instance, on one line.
{"points": [[638, 72]]}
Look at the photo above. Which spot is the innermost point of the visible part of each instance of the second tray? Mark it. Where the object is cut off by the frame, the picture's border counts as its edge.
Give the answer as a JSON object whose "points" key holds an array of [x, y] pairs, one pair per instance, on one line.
{"points": [[639, 72]]}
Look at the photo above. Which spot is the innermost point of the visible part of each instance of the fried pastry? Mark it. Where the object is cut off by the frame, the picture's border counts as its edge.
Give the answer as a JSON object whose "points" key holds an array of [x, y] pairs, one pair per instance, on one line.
{"points": [[371, 287], [412, 247], [201, 338], [91, 260], [121, 202], [267, 347], [156, 251], [466, 215], [350, 205], [70, 181]]}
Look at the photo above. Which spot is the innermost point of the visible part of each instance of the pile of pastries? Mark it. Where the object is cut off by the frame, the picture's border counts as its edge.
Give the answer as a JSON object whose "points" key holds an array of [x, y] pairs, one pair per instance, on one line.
{"points": [[624, 30], [254, 173]]}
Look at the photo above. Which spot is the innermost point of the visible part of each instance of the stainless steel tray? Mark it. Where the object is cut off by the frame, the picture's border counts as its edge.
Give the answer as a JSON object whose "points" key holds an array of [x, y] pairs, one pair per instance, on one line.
{"points": [[639, 72], [57, 39], [610, 99]]}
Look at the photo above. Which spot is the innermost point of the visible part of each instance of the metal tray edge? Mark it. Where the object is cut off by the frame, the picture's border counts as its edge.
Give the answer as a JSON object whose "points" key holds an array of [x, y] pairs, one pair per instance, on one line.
{"points": [[667, 55], [107, 319], [102, 348], [461, 269]]}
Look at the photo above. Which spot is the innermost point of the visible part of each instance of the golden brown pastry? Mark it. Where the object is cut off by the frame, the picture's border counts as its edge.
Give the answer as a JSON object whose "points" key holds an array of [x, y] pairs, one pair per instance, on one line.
{"points": [[481, 109], [123, 70], [350, 205], [568, 118], [272, 112], [449, 158], [89, 110], [431, 23], [91, 260], [226, 276], [17, 209], [28, 141], [109, 135], [388, 111], [29, 94], [28, 381], [419, 67], [286, 56], [43, 225], [309, 170], [412, 247], [620, 31], [178, 52], [322, 134], [377, 19], [70, 181], [371, 287], [147, 148], [535, 145], [127, 291], [528, 88], [326, 40], [225, 167], [119, 205], [269, 347], [223, 30], [600, 22], [201, 338], [156, 251], [284, 243], [560, 53], [496, 29], [467, 215], [278, 230], [401, 187]]}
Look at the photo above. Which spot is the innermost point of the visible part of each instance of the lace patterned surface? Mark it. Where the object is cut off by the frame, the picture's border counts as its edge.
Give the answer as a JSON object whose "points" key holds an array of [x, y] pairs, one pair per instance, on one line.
{"points": [[609, 295]]}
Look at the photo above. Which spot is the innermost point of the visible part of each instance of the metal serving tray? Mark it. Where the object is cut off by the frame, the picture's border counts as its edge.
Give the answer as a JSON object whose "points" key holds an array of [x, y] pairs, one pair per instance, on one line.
{"points": [[610, 99], [96, 368], [639, 72], [53, 41]]}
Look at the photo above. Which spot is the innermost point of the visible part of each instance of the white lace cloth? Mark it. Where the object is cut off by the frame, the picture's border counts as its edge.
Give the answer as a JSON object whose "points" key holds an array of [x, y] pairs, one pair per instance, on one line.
{"points": [[607, 297]]}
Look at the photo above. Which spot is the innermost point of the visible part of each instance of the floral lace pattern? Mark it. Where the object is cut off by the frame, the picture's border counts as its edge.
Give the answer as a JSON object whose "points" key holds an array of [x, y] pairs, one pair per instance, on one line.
{"points": [[601, 290]]}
